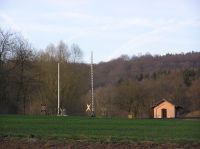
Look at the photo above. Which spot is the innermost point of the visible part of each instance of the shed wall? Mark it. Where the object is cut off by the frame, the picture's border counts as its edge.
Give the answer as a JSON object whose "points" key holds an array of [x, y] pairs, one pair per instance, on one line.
{"points": [[165, 105]]}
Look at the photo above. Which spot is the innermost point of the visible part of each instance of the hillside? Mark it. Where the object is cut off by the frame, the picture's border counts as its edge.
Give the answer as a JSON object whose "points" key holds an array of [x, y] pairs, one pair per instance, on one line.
{"points": [[147, 65]]}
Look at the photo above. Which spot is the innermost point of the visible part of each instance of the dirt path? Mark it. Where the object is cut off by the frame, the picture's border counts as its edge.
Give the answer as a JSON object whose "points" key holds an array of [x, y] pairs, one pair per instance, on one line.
{"points": [[56, 144]]}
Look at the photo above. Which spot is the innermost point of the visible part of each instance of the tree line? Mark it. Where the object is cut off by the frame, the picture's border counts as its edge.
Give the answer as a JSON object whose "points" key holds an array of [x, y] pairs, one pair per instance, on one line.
{"points": [[134, 85], [28, 79]]}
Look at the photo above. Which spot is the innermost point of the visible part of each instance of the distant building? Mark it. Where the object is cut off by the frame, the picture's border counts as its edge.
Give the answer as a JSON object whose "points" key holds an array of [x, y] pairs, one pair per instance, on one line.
{"points": [[166, 109]]}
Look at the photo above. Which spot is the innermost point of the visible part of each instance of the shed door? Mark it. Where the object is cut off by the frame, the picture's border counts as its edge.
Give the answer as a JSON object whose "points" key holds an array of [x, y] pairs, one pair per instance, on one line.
{"points": [[164, 113]]}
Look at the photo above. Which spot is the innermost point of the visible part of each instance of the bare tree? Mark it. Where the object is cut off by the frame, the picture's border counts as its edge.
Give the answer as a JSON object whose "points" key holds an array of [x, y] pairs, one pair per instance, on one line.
{"points": [[6, 47], [6, 44], [23, 58], [63, 53], [76, 53], [50, 52]]}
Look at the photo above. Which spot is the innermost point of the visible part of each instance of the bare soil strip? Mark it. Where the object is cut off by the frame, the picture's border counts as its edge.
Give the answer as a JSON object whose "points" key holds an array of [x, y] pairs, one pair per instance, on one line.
{"points": [[52, 144]]}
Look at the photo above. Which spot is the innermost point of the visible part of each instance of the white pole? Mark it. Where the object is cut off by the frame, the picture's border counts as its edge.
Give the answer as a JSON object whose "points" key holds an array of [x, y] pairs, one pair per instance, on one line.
{"points": [[58, 88], [92, 83]]}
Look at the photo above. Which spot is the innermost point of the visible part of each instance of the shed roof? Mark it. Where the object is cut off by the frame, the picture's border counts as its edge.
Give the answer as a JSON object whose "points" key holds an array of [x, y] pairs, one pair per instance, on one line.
{"points": [[163, 100]]}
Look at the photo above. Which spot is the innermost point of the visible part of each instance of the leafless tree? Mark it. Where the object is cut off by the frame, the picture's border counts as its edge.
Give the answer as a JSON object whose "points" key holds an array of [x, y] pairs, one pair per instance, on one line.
{"points": [[76, 53], [6, 44], [63, 53]]}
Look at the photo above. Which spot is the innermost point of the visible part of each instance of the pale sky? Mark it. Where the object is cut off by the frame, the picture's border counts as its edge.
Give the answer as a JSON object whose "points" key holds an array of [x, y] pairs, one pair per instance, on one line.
{"points": [[109, 28]]}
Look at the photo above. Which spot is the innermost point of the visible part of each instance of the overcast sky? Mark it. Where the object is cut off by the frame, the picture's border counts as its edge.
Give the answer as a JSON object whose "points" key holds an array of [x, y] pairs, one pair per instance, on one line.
{"points": [[109, 28]]}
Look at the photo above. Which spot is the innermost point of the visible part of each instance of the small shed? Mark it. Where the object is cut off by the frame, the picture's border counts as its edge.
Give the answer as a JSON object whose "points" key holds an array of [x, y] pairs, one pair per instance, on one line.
{"points": [[165, 109]]}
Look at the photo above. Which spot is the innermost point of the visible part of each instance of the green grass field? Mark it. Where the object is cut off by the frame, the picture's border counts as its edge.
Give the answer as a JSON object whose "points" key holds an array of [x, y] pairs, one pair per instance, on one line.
{"points": [[100, 129]]}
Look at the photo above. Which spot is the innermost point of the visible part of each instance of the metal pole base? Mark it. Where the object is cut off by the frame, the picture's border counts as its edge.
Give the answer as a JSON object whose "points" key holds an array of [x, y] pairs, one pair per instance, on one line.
{"points": [[93, 114]]}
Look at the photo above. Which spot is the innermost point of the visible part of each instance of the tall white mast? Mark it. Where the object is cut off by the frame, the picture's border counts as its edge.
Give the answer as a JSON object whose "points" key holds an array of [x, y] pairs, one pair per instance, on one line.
{"points": [[58, 88], [92, 88]]}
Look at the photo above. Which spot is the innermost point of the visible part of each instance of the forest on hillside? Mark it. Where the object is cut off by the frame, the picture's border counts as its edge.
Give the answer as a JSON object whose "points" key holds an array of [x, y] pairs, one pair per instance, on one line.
{"points": [[28, 78]]}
